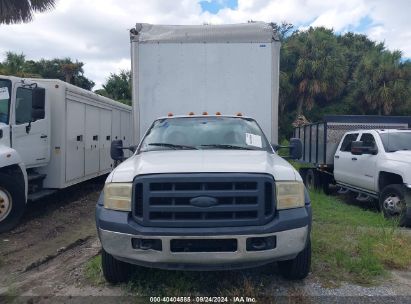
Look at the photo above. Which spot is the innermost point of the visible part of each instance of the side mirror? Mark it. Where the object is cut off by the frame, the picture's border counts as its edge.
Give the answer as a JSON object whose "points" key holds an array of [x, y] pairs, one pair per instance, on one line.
{"points": [[357, 148], [296, 148], [116, 150], [276, 147], [38, 104], [372, 151]]}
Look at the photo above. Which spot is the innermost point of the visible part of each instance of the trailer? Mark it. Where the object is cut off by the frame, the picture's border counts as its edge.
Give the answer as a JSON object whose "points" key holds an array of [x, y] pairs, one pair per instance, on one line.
{"points": [[52, 135], [320, 140]]}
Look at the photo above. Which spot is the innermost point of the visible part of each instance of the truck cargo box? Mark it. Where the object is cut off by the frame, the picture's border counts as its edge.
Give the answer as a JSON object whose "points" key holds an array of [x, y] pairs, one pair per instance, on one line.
{"points": [[205, 68], [82, 124], [320, 140]]}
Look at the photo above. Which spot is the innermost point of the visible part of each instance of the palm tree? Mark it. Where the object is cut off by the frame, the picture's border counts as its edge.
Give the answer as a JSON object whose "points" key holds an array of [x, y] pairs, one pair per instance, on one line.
{"points": [[70, 70], [14, 63], [319, 70], [380, 82], [17, 11]]}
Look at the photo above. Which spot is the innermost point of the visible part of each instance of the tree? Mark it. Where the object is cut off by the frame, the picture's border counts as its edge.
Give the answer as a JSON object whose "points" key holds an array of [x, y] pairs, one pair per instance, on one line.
{"points": [[380, 82], [13, 64], [17, 11], [283, 29], [318, 67], [118, 87], [64, 69]]}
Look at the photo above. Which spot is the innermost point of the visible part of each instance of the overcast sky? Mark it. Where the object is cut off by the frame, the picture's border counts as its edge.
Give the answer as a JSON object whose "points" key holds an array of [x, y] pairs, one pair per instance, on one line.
{"points": [[96, 31]]}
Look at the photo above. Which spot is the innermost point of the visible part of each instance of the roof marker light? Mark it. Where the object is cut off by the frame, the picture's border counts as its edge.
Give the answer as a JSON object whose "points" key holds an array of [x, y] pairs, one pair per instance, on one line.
{"points": [[205, 113], [239, 114], [170, 114], [218, 113], [191, 113]]}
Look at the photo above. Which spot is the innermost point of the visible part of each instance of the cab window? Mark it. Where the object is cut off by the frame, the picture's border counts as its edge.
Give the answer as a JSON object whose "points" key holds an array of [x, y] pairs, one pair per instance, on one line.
{"points": [[368, 140], [24, 105], [348, 139], [5, 89]]}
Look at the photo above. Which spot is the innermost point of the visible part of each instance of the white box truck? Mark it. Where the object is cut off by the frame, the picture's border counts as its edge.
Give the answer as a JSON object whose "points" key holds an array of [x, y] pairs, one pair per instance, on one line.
{"points": [[204, 189], [52, 135]]}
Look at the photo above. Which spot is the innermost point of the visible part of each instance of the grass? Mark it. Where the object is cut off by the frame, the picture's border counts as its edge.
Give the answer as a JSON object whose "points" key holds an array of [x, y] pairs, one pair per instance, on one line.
{"points": [[354, 245], [93, 271], [349, 245]]}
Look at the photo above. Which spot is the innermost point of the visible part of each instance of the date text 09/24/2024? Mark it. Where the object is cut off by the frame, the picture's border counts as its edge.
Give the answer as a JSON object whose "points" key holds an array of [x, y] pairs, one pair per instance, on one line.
{"points": [[205, 299]]}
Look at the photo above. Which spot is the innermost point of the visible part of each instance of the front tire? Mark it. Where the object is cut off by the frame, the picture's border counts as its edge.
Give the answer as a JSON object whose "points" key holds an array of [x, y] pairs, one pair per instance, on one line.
{"points": [[115, 271], [12, 202], [299, 267], [392, 203]]}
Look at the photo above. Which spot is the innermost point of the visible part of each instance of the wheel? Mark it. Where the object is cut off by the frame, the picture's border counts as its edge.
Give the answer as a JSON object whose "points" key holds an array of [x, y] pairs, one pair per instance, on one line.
{"points": [[303, 173], [115, 271], [299, 267], [392, 203], [311, 180], [12, 202], [325, 181]]}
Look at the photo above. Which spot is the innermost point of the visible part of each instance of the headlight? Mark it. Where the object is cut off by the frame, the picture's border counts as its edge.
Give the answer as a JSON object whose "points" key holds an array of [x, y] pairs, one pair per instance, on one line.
{"points": [[290, 195], [117, 196]]}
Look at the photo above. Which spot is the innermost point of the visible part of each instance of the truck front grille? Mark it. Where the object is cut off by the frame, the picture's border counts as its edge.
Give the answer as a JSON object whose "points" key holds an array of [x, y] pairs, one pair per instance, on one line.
{"points": [[203, 199]]}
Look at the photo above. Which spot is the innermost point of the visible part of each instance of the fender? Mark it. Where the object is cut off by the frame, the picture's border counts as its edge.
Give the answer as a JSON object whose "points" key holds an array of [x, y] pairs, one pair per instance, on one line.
{"points": [[395, 167], [10, 157]]}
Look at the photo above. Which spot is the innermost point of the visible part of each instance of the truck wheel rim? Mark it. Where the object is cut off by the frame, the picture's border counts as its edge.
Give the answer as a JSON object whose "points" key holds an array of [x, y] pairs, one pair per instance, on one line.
{"points": [[5, 204], [393, 205]]}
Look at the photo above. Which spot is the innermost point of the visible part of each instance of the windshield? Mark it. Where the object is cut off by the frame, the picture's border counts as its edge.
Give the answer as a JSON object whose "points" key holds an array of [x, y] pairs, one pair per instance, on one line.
{"points": [[225, 133], [5, 89], [396, 141]]}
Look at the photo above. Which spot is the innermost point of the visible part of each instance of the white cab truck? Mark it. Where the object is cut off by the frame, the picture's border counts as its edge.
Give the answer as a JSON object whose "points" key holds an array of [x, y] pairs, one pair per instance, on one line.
{"points": [[366, 155], [52, 135], [204, 189]]}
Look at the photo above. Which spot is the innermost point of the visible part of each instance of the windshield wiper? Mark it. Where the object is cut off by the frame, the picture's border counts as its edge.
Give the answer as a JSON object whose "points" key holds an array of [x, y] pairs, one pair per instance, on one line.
{"points": [[227, 147], [173, 146]]}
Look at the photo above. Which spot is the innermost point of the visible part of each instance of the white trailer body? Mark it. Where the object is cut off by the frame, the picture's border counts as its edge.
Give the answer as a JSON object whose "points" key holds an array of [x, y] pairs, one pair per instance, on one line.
{"points": [[83, 124], [53, 135], [224, 68]]}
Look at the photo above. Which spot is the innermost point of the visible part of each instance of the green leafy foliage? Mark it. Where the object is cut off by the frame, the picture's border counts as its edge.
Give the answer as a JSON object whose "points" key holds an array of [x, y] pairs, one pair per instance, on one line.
{"points": [[64, 69], [326, 73], [12, 11], [118, 87]]}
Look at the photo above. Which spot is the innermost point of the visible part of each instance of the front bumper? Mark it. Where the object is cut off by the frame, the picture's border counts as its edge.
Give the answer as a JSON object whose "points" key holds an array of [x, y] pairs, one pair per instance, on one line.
{"points": [[116, 229], [289, 243]]}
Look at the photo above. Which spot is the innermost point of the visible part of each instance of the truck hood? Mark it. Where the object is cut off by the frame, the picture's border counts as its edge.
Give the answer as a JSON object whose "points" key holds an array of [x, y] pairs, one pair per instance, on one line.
{"points": [[187, 161]]}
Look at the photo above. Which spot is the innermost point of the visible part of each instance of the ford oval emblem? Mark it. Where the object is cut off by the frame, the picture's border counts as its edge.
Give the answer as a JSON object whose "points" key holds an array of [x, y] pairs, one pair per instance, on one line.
{"points": [[204, 201]]}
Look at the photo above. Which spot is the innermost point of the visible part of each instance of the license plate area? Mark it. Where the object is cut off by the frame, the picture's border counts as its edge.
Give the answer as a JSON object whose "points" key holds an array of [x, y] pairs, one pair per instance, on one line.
{"points": [[203, 245]]}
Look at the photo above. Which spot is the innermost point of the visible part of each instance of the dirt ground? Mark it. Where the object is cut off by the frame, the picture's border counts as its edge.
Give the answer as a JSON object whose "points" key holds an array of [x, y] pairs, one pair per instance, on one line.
{"points": [[45, 257]]}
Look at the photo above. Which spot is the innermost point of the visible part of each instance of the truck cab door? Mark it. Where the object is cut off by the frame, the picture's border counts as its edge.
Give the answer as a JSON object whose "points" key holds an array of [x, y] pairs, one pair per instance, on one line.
{"points": [[366, 163], [31, 126], [345, 162]]}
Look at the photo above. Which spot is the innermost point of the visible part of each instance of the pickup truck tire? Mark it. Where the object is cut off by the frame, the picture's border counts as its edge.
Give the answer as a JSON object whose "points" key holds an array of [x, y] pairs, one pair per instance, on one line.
{"points": [[299, 267], [312, 179], [115, 271], [392, 203], [12, 202]]}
